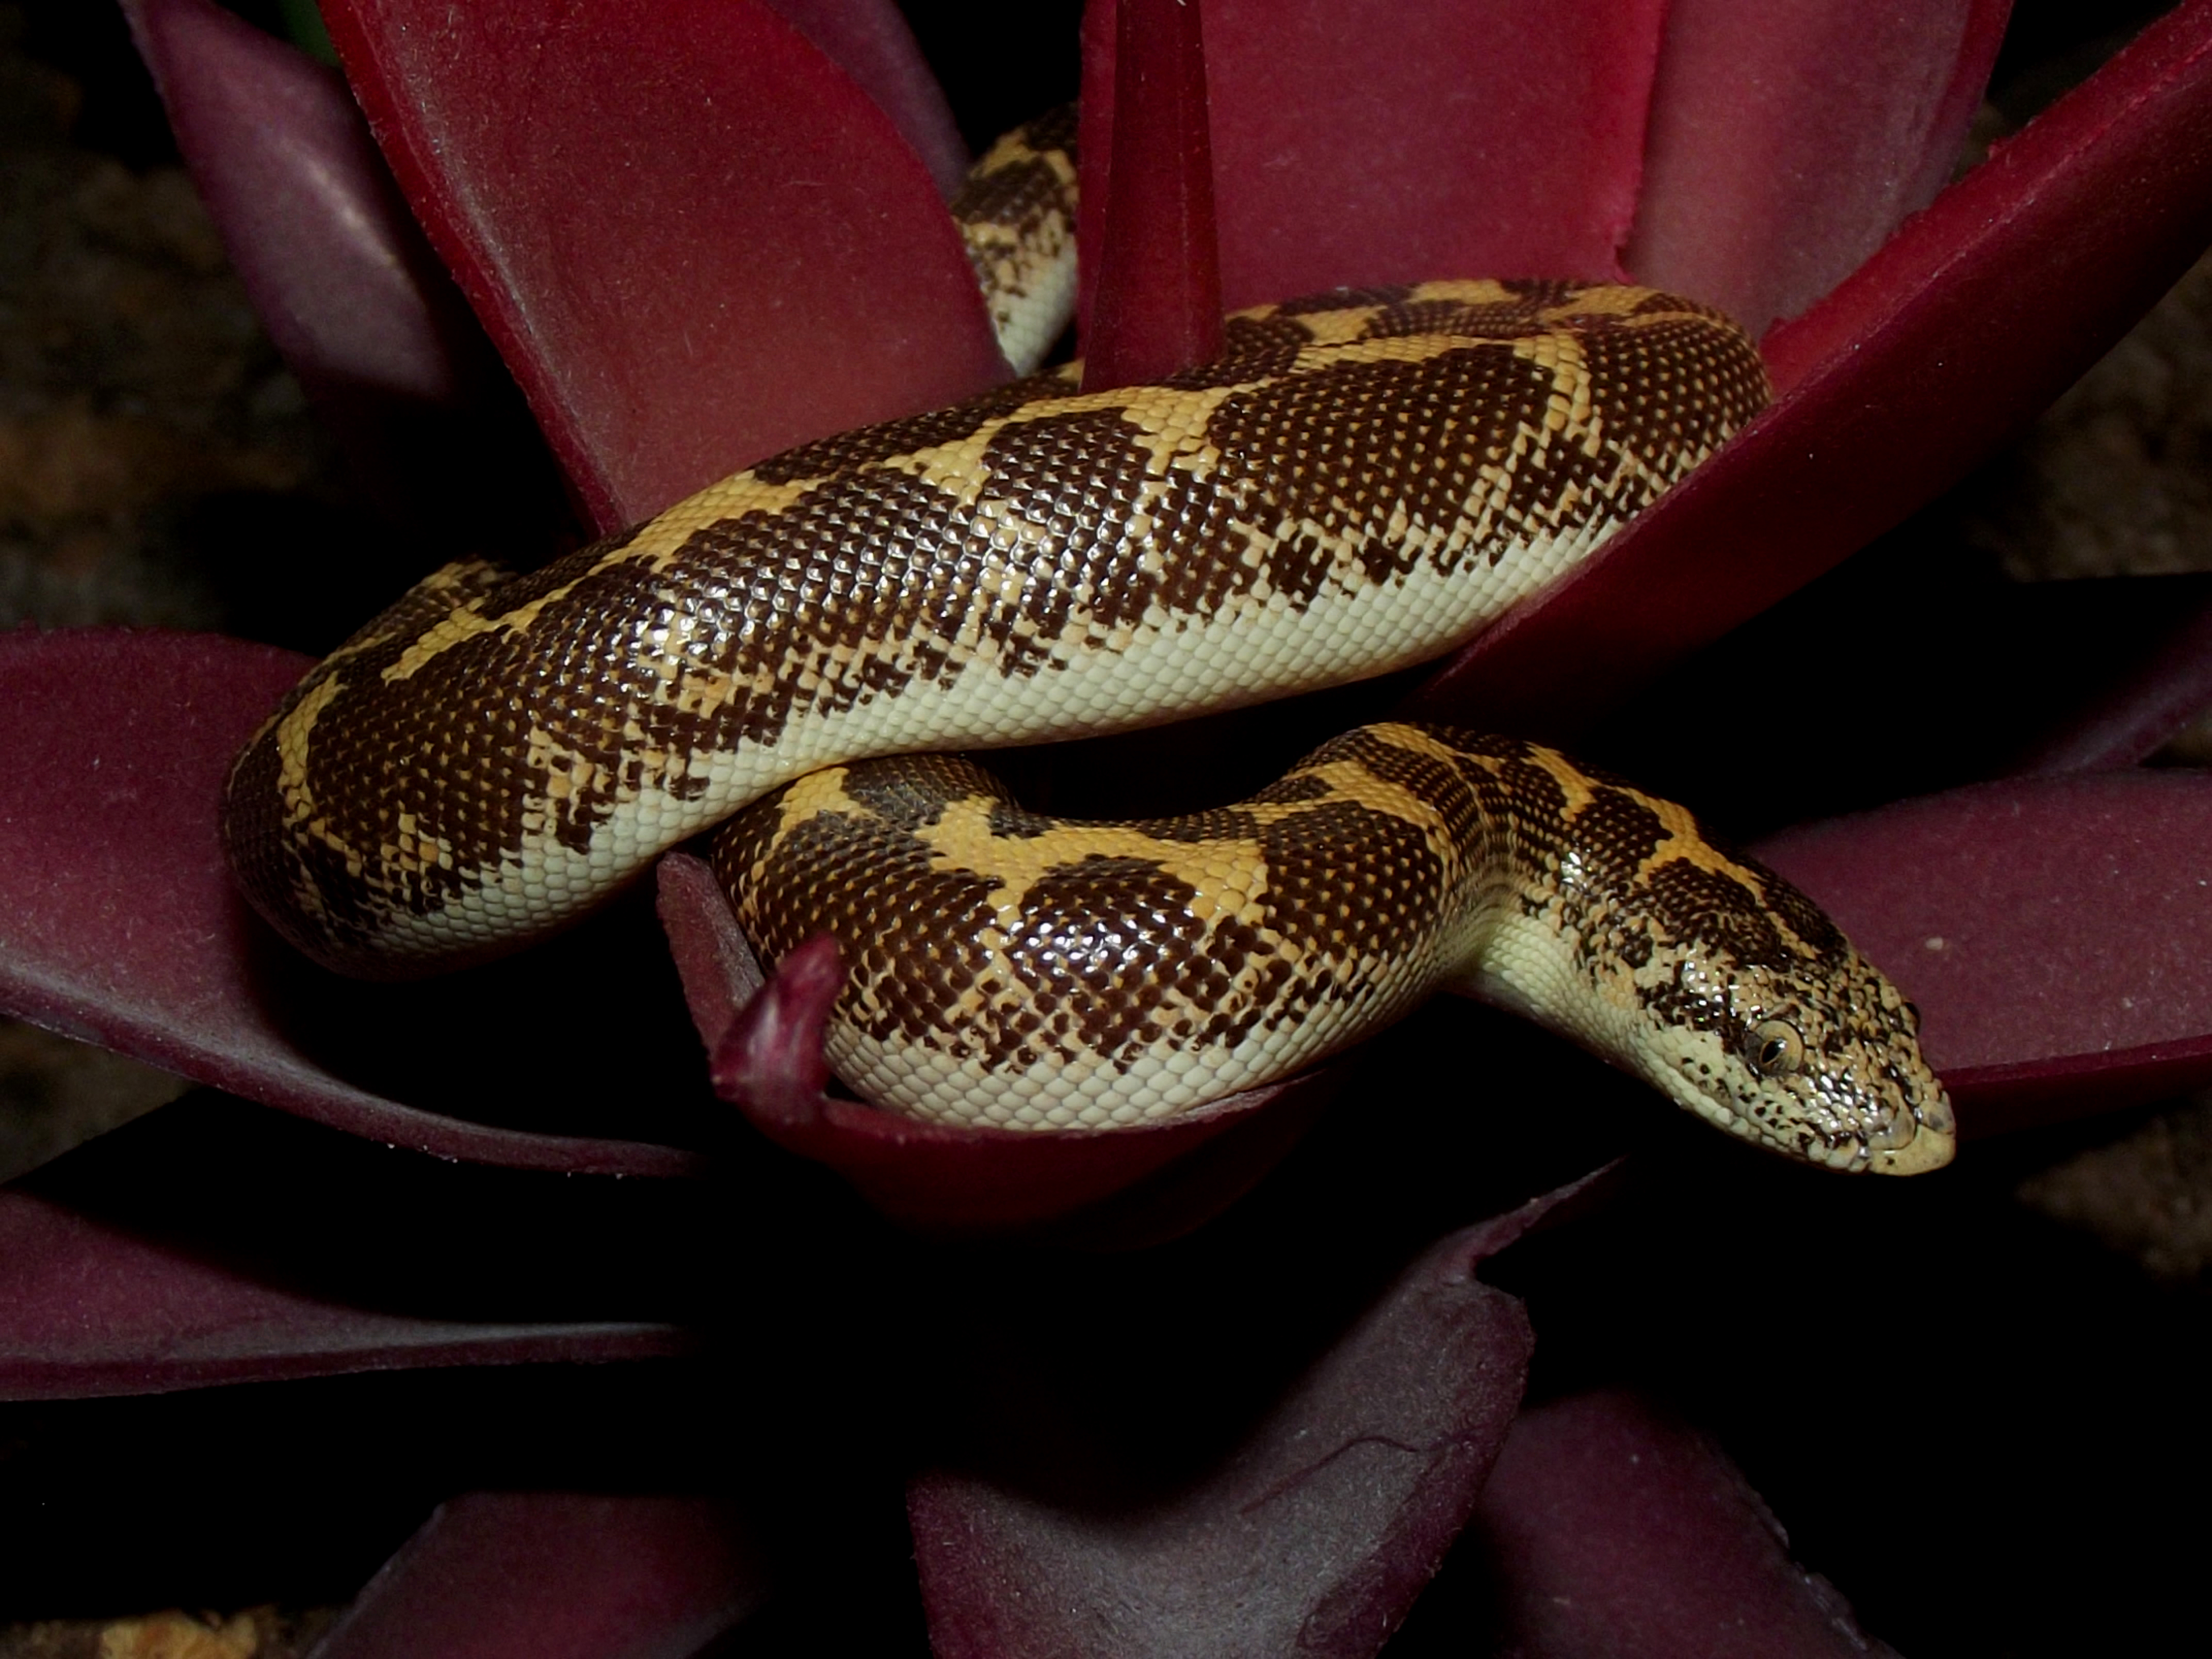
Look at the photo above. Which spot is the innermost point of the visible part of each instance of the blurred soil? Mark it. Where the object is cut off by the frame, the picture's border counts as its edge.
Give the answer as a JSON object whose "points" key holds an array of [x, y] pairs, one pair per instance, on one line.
{"points": [[138, 397], [256, 1633], [2116, 478]]}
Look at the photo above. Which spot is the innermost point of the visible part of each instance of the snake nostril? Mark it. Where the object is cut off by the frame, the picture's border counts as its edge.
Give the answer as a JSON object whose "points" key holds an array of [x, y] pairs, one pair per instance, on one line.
{"points": [[1901, 1130]]}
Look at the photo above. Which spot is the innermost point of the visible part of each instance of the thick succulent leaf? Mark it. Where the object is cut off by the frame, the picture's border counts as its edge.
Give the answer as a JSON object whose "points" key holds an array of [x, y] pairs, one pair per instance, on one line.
{"points": [[558, 1576], [871, 42], [1110, 1188], [1313, 1534], [2056, 933], [2134, 714], [1358, 142], [216, 1240], [1980, 677], [1156, 301], [119, 924], [1973, 317], [343, 280], [1609, 1528], [88, 1309], [695, 240], [350, 292], [1789, 138], [2051, 228]]}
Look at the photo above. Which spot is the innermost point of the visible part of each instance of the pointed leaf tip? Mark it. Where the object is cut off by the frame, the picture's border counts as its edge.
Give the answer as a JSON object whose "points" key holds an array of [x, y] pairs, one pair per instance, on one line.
{"points": [[1117, 1186], [770, 1057]]}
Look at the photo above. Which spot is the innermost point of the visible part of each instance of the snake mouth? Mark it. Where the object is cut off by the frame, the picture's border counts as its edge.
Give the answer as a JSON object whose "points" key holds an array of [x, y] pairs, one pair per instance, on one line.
{"points": [[1931, 1149], [1928, 1148], [1930, 1137], [1912, 1142]]}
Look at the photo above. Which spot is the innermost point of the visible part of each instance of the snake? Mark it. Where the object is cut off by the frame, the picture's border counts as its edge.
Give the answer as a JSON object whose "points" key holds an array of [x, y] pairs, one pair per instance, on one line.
{"points": [[1360, 481]]}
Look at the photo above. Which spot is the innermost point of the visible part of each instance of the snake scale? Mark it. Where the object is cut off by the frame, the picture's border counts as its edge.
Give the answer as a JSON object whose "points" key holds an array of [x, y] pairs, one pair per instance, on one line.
{"points": [[1362, 480]]}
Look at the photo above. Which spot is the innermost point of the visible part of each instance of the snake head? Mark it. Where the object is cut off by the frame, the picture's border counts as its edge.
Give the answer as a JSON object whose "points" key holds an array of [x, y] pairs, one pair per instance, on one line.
{"points": [[1812, 1051], [1748, 1005], [1710, 978]]}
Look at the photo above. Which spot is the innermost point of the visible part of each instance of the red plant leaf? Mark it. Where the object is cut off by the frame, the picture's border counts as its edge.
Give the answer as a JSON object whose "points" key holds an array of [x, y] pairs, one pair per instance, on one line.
{"points": [[119, 924], [1156, 304], [350, 292], [694, 239], [1610, 1528], [340, 277], [2056, 932], [1976, 314], [871, 42], [216, 1240], [558, 1576], [1359, 142], [1789, 138], [1314, 1535], [89, 1308], [2169, 686], [765, 1039]]}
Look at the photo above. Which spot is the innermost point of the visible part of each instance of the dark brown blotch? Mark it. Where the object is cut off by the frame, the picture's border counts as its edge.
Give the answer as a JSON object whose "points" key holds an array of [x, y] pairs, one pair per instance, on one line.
{"points": [[1616, 831], [913, 790], [1696, 905], [1803, 918], [1350, 444], [1351, 883], [871, 885], [1018, 190], [1105, 940]]}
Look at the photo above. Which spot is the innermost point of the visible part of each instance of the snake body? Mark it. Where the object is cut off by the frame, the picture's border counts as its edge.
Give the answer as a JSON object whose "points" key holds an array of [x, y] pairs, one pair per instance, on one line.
{"points": [[1037, 973], [1361, 481]]}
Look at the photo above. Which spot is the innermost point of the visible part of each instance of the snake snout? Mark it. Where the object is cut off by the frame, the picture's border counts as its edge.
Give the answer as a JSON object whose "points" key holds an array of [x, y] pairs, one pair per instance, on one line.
{"points": [[1916, 1139]]}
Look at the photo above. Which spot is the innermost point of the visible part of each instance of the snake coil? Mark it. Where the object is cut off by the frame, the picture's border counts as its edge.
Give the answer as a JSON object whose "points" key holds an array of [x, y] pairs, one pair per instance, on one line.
{"points": [[1360, 482]]}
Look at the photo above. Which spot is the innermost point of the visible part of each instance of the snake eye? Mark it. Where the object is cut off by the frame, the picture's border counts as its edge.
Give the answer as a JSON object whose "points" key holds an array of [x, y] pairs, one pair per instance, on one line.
{"points": [[1773, 1049]]}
